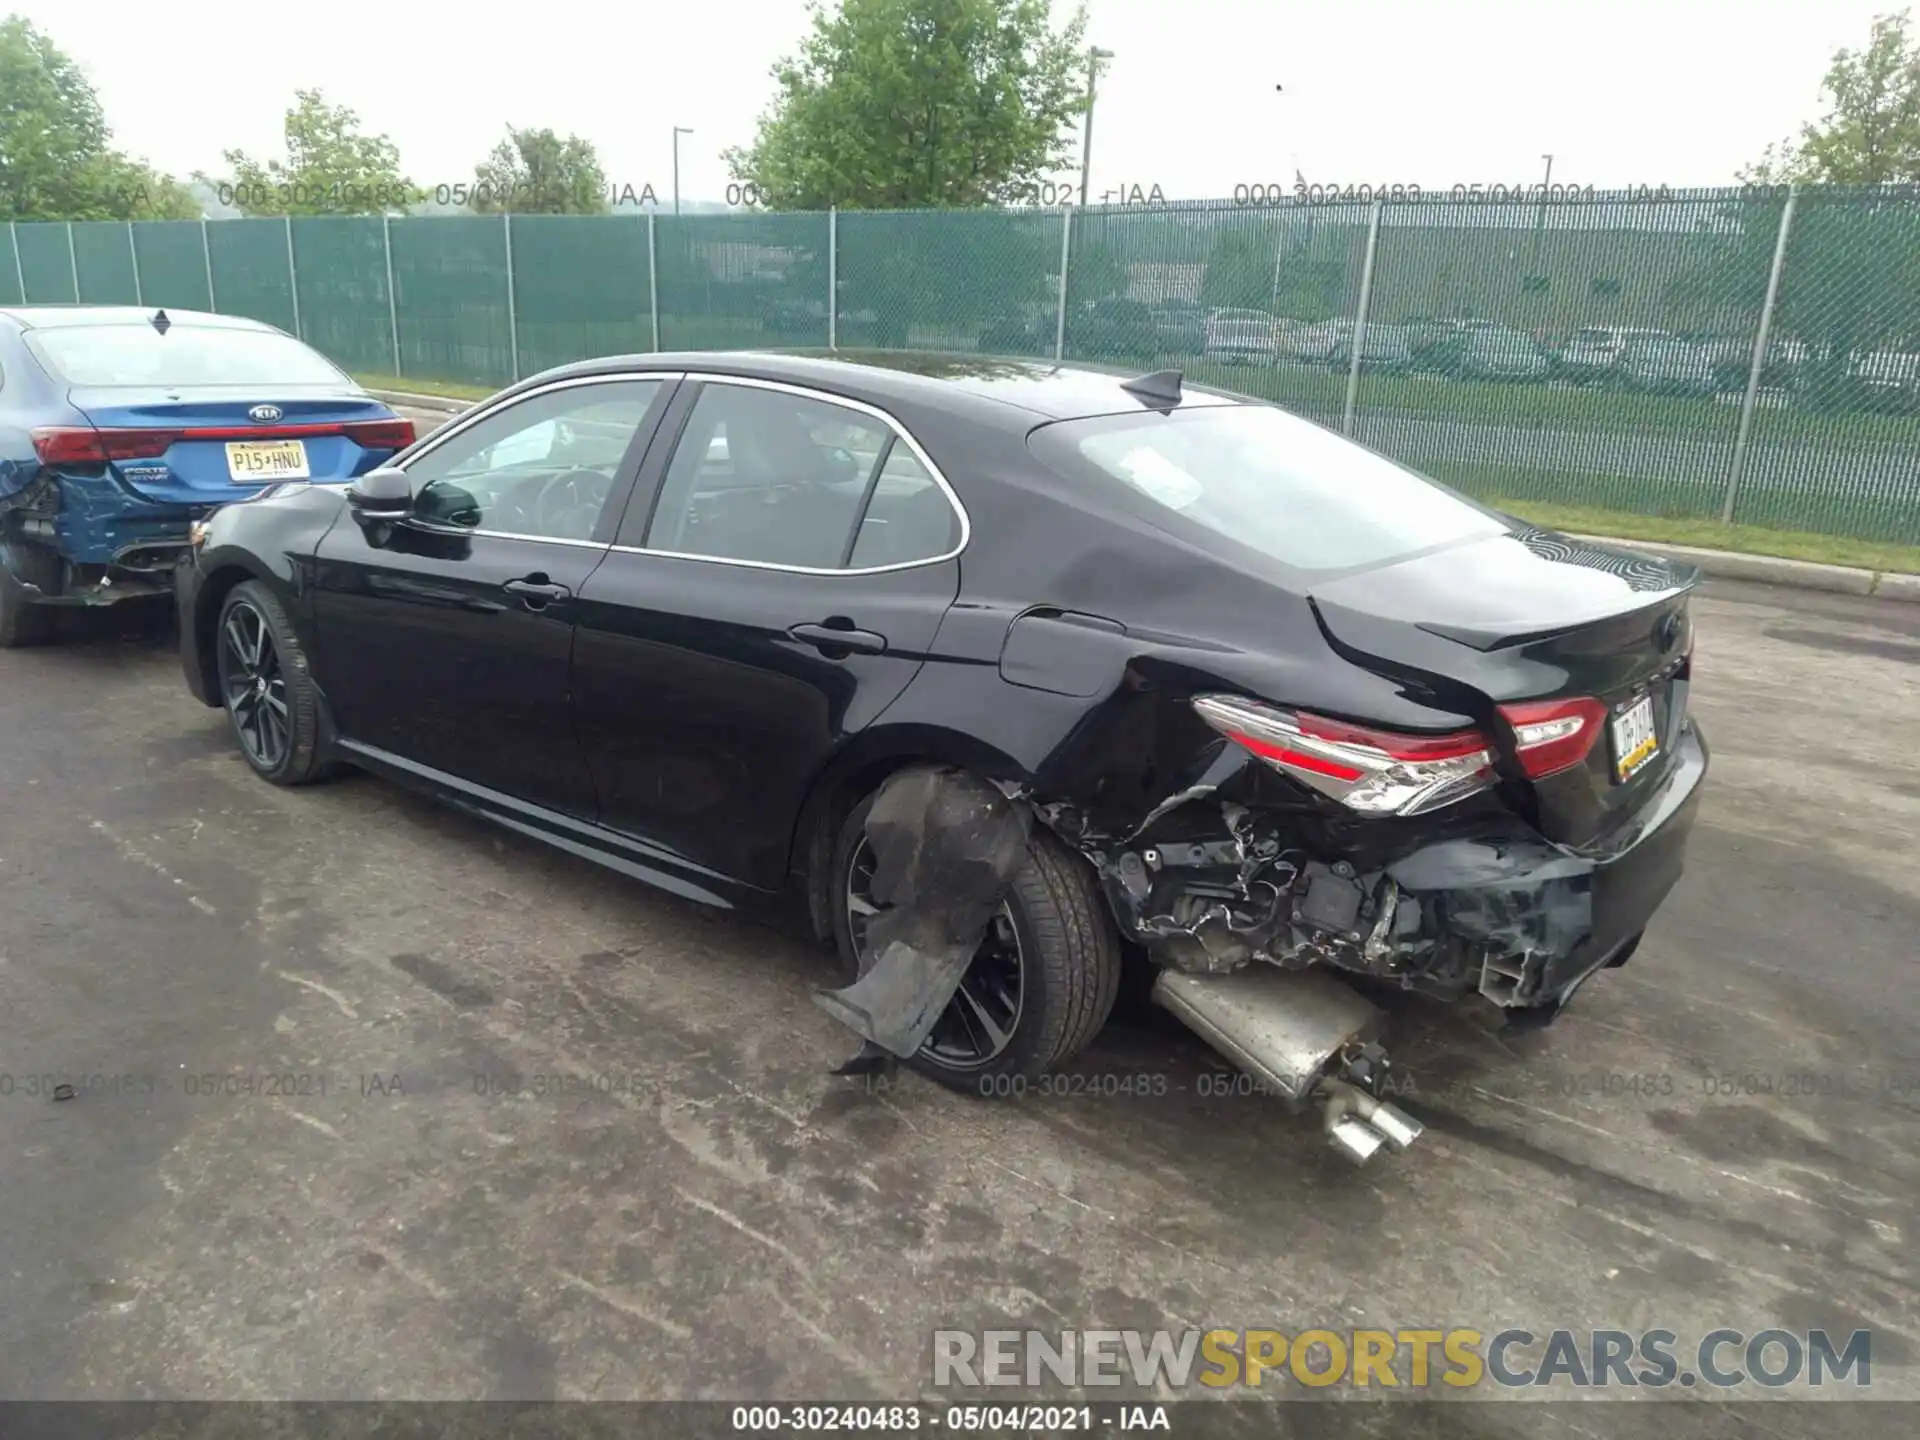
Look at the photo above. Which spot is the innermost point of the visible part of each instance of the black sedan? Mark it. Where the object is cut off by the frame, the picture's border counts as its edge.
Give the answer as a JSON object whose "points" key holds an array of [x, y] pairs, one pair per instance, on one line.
{"points": [[1016, 673]]}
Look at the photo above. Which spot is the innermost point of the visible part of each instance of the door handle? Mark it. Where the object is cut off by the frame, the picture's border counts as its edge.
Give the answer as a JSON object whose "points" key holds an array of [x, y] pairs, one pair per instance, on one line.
{"points": [[837, 642], [536, 592]]}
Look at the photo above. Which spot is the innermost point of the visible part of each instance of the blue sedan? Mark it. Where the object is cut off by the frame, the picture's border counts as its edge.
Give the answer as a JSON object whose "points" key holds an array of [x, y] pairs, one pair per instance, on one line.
{"points": [[121, 426]]}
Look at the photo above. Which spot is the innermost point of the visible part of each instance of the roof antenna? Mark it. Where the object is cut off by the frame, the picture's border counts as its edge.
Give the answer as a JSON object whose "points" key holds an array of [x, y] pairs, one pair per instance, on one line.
{"points": [[160, 321], [1161, 385]]}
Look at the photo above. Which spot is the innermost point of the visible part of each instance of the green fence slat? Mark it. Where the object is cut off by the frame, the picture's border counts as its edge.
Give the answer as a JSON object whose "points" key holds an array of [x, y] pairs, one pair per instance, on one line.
{"points": [[103, 255], [984, 282], [46, 263], [450, 290], [1835, 446], [250, 273], [342, 269], [173, 264], [731, 282], [580, 288], [10, 291]]}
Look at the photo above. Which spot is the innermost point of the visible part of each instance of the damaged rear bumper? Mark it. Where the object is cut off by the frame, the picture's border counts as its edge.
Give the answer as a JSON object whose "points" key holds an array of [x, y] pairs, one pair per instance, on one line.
{"points": [[1503, 913], [83, 540]]}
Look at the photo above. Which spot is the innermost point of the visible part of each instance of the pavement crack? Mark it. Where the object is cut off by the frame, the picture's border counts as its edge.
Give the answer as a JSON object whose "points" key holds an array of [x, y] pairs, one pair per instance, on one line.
{"points": [[346, 1006], [318, 1124], [727, 1217], [625, 1306]]}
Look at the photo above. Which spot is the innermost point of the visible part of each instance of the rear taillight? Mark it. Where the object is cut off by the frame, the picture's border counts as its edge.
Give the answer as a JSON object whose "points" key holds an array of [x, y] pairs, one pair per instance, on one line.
{"points": [[1388, 772], [381, 434], [1554, 735], [1375, 772], [84, 445]]}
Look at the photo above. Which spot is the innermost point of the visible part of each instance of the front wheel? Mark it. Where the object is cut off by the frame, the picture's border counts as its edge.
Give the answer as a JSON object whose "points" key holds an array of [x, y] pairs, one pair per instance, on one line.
{"points": [[268, 693], [1041, 984]]}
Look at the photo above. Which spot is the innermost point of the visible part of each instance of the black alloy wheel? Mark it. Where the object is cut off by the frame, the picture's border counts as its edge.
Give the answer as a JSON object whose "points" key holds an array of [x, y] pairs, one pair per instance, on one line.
{"points": [[254, 687]]}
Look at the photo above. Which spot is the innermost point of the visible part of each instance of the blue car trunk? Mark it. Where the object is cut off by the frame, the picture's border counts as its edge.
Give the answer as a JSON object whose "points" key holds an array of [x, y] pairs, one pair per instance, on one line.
{"points": [[202, 444]]}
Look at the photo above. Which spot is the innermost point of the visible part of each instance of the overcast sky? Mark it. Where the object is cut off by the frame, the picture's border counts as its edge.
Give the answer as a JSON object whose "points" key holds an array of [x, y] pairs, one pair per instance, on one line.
{"points": [[1434, 92]]}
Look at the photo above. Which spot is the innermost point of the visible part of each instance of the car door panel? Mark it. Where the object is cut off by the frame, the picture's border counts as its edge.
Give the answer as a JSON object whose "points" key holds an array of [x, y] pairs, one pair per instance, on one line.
{"points": [[427, 655], [447, 639], [710, 687], [703, 720]]}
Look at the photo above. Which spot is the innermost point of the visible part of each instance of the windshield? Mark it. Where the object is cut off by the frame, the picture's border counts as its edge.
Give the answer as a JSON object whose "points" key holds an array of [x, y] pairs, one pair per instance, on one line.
{"points": [[124, 354], [1270, 481]]}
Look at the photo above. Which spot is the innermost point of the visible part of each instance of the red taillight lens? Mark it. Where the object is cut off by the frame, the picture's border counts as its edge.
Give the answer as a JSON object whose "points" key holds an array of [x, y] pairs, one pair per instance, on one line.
{"points": [[84, 445], [1554, 735], [381, 434], [1376, 772]]}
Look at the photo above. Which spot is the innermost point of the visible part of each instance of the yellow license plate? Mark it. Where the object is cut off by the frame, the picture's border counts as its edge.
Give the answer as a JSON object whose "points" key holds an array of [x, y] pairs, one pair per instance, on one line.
{"points": [[257, 461], [1635, 738]]}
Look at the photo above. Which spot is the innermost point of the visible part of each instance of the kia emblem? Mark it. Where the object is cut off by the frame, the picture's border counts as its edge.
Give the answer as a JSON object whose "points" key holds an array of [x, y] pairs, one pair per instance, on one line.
{"points": [[264, 414]]}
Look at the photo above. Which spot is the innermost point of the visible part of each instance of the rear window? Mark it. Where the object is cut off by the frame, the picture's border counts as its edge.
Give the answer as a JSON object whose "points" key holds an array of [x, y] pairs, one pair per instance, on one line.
{"points": [[1279, 485], [185, 355]]}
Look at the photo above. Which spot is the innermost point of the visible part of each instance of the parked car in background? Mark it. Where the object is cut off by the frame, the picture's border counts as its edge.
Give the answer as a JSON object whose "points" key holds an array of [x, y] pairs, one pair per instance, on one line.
{"points": [[1027, 330], [1383, 348], [1498, 354], [1668, 365], [1180, 326], [120, 427], [1593, 352], [785, 318], [1114, 329], [1439, 347], [1241, 337], [1000, 668], [1887, 379], [1732, 359]]}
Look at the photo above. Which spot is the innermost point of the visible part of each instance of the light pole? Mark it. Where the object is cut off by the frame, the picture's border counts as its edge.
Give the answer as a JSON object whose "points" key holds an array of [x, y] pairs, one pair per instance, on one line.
{"points": [[1094, 56], [678, 131], [1540, 216]]}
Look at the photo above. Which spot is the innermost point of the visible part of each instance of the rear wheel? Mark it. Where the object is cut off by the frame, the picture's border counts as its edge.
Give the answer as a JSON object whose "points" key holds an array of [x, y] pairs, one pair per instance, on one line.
{"points": [[1041, 984], [21, 621], [264, 685]]}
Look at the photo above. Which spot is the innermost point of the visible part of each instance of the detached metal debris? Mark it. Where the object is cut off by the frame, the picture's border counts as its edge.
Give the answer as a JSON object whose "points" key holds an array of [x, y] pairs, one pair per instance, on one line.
{"points": [[946, 845]]}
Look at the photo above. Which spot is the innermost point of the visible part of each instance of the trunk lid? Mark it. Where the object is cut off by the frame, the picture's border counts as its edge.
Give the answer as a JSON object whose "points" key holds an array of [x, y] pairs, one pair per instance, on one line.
{"points": [[195, 444], [1535, 616]]}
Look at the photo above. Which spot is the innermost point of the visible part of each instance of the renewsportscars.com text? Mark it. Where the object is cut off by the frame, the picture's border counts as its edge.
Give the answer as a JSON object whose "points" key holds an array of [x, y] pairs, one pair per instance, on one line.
{"points": [[1511, 1358]]}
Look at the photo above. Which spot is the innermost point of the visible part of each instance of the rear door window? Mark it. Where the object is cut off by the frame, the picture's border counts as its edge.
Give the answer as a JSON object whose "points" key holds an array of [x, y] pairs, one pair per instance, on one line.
{"points": [[770, 477], [139, 355]]}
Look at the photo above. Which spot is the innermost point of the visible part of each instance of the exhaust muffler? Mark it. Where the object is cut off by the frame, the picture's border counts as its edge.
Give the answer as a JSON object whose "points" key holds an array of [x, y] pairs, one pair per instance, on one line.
{"points": [[1295, 1031]]}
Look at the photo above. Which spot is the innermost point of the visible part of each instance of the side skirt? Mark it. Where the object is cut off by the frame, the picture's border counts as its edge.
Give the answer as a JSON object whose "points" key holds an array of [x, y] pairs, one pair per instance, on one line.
{"points": [[636, 858]]}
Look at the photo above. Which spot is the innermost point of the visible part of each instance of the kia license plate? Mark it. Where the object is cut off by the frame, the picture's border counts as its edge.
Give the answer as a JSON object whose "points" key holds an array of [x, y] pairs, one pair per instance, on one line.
{"points": [[1635, 740], [254, 462]]}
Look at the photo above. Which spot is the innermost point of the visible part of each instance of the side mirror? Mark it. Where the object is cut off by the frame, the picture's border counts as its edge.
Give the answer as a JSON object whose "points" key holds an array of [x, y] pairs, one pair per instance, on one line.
{"points": [[383, 493]]}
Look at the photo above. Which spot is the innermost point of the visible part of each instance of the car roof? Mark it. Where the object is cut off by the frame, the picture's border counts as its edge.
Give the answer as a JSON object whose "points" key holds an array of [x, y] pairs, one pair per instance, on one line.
{"points": [[49, 317], [1018, 390]]}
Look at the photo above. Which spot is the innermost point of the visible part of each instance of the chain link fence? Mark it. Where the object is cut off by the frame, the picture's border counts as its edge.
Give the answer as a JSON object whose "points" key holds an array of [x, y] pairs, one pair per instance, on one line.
{"points": [[1750, 355]]}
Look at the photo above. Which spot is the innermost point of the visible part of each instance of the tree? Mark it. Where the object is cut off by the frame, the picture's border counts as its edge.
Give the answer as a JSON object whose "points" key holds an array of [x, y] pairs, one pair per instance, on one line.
{"points": [[535, 172], [1870, 134], [330, 169], [901, 104], [55, 159], [1239, 274], [1851, 278]]}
